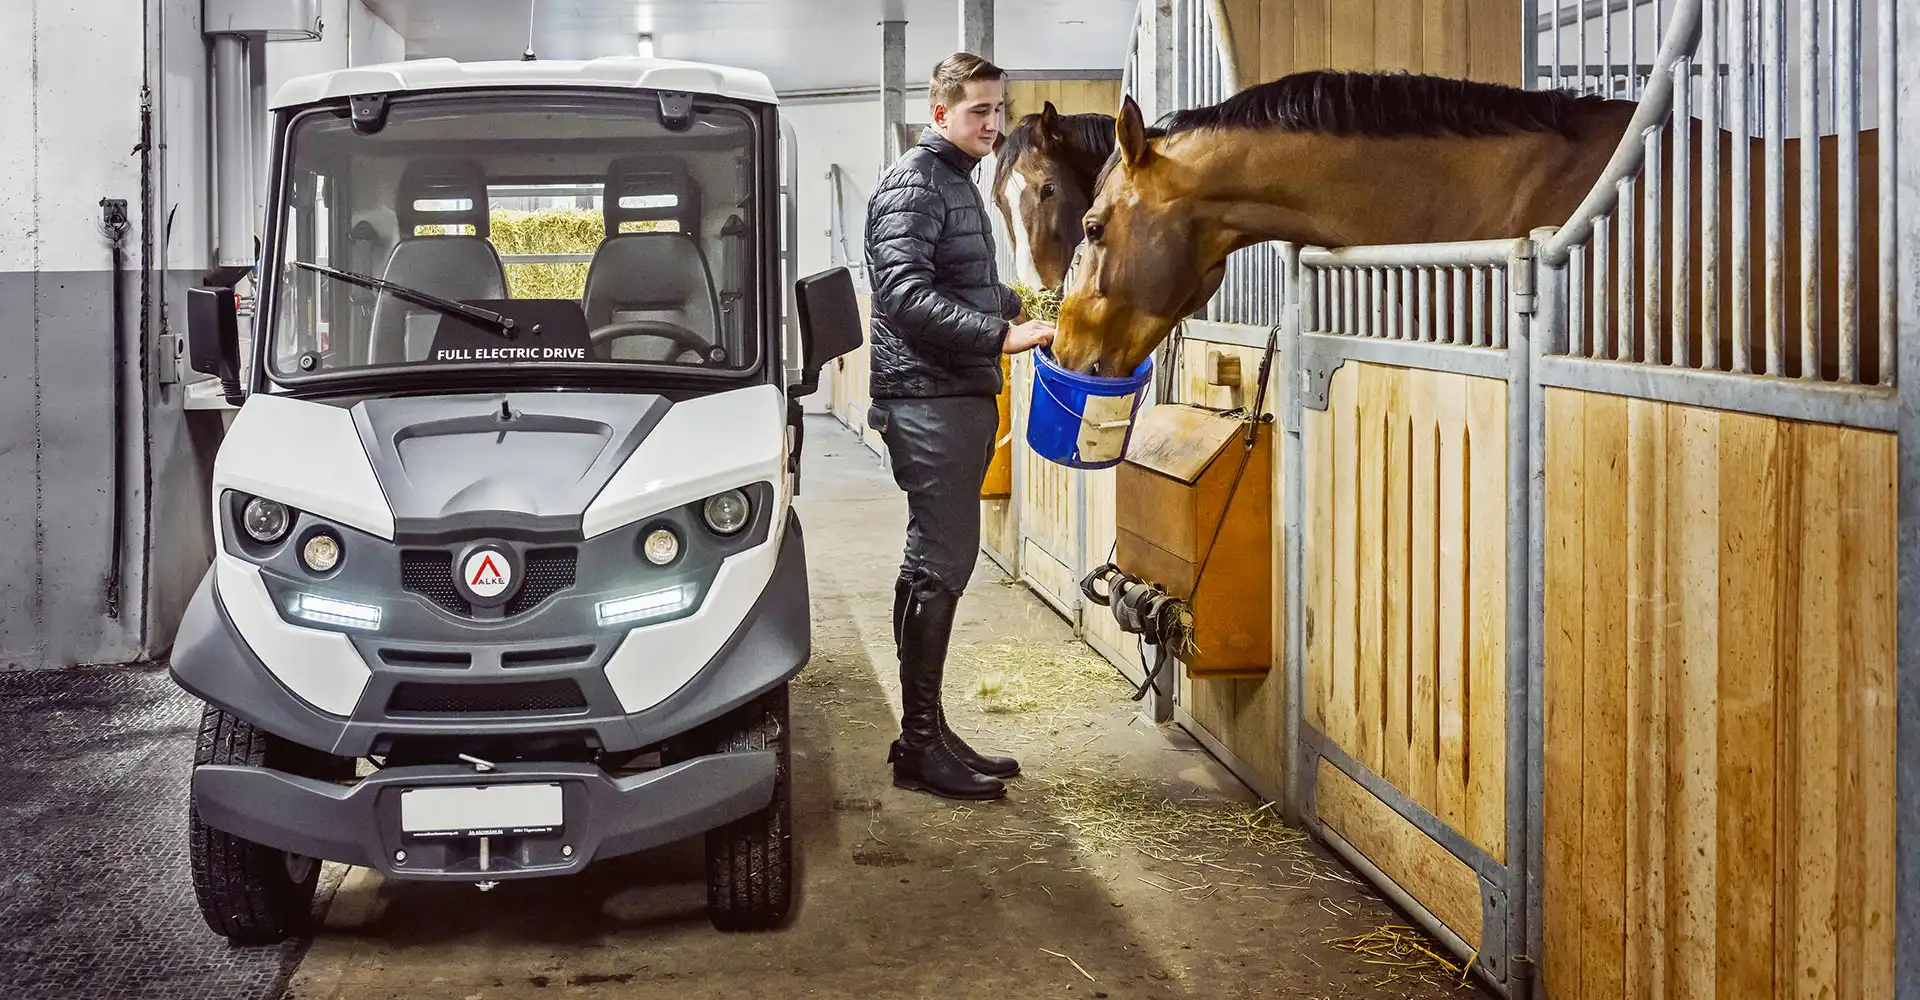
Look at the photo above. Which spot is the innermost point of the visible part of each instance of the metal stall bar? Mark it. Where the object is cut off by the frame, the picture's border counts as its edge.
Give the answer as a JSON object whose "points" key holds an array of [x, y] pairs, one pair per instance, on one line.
{"points": [[1810, 188], [1682, 34]]}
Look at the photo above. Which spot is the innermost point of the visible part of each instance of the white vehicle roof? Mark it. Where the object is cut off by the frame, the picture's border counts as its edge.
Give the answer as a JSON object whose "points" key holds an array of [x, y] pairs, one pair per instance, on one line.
{"points": [[617, 72]]}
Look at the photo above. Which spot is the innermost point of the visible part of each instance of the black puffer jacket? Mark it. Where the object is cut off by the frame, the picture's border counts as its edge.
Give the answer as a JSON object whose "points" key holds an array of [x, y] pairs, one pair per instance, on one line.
{"points": [[940, 313]]}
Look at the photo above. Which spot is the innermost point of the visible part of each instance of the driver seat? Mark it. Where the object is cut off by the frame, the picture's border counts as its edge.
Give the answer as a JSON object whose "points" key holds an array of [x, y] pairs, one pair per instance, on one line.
{"points": [[657, 276]]}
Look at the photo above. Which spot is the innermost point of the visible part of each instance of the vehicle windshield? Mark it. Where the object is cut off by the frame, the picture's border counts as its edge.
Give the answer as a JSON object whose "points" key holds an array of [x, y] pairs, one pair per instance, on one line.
{"points": [[524, 230]]}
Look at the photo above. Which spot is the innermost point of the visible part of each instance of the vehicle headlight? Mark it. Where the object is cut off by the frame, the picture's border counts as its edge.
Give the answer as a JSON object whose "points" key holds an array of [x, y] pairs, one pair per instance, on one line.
{"points": [[662, 546], [265, 520], [728, 512], [321, 553]]}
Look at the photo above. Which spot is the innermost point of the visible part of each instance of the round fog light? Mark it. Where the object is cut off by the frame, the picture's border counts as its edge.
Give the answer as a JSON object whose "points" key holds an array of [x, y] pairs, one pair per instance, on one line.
{"points": [[265, 520], [661, 546], [727, 512], [321, 553]]}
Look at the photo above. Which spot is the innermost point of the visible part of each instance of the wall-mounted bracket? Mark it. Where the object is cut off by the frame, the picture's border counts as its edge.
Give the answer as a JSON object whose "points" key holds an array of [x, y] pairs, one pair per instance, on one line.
{"points": [[266, 20]]}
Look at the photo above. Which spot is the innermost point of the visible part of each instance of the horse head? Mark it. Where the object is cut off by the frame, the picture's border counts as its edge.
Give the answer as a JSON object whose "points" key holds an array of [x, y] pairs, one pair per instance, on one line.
{"points": [[1043, 186], [1152, 255]]}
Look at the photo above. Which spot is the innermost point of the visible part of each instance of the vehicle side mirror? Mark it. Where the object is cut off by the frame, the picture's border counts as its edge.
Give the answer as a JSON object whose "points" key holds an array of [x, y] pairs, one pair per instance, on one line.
{"points": [[213, 337], [830, 323]]}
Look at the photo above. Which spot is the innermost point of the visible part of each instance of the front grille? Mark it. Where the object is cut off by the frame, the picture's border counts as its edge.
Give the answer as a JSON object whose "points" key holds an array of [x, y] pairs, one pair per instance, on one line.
{"points": [[429, 573], [531, 696], [548, 572]]}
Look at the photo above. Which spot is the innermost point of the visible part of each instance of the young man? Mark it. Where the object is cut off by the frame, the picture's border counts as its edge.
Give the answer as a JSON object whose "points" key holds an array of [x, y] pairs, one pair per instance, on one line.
{"points": [[941, 321]]}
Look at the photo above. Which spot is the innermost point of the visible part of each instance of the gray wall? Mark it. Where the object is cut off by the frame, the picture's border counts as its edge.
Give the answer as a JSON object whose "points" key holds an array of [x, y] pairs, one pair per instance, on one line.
{"points": [[73, 74], [76, 75]]}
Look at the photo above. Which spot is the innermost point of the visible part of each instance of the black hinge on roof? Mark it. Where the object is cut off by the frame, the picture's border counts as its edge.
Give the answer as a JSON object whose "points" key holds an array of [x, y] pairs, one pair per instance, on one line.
{"points": [[676, 111], [369, 112]]}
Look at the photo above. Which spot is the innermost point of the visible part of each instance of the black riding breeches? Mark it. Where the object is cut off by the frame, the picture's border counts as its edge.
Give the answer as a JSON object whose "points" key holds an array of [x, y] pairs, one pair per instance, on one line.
{"points": [[940, 449]]}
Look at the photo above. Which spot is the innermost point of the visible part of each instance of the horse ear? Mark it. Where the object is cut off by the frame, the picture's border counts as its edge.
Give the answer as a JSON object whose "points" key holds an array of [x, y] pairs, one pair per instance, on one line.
{"points": [[1131, 130], [1046, 126]]}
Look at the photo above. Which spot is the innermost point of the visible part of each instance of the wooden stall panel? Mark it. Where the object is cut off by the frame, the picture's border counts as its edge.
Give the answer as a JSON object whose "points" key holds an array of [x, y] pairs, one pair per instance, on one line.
{"points": [[1458, 38], [1049, 515], [1098, 507], [852, 390], [1417, 863], [1720, 744], [1405, 540], [1070, 97]]}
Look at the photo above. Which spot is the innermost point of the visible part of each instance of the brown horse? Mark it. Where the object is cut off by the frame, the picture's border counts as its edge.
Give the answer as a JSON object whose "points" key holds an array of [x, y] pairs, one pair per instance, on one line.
{"points": [[1338, 159], [1043, 184]]}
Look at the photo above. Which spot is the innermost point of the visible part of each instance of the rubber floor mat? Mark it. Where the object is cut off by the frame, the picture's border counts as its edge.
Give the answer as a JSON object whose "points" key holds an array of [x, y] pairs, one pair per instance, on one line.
{"points": [[96, 901]]}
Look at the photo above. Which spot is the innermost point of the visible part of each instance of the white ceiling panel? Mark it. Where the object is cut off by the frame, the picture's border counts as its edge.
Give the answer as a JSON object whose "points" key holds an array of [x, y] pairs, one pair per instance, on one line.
{"points": [[799, 44]]}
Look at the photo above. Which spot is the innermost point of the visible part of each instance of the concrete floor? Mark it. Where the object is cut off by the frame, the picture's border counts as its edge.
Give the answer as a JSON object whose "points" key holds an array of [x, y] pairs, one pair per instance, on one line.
{"points": [[1071, 887]]}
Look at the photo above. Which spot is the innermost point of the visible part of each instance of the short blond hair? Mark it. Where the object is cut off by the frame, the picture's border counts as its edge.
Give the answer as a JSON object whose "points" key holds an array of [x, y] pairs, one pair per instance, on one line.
{"points": [[952, 74]]}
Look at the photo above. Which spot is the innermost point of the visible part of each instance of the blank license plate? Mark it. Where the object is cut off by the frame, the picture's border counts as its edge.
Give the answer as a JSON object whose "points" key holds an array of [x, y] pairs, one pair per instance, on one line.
{"points": [[480, 811]]}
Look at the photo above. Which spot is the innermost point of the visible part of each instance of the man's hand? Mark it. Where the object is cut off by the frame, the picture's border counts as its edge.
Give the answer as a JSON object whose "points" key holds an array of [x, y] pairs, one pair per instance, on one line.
{"points": [[1028, 335]]}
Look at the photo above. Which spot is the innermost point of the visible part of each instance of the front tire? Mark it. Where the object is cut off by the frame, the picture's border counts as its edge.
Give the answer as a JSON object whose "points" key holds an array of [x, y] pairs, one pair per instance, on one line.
{"points": [[750, 861], [249, 893]]}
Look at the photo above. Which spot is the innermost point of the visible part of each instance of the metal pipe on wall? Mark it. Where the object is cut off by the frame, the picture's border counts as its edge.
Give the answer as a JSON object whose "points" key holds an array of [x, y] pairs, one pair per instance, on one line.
{"points": [[232, 149], [893, 87], [976, 28]]}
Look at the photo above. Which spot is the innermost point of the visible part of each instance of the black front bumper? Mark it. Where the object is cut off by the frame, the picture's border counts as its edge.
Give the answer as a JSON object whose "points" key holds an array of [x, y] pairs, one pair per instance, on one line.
{"points": [[603, 816], [770, 646]]}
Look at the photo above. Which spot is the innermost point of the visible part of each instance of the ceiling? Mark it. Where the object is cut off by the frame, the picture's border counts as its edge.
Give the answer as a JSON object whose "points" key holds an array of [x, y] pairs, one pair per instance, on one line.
{"points": [[799, 44]]}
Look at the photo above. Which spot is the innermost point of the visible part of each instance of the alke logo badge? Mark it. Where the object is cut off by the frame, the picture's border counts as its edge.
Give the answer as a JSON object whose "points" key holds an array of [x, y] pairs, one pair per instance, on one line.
{"points": [[487, 573]]}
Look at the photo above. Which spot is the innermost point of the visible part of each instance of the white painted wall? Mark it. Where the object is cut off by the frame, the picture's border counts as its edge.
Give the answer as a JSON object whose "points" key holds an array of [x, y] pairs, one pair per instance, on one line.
{"points": [[351, 35], [371, 39], [846, 133]]}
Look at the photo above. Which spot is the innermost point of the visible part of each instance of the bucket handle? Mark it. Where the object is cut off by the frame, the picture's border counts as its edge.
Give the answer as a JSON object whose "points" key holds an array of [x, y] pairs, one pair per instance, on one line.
{"points": [[1042, 383]]}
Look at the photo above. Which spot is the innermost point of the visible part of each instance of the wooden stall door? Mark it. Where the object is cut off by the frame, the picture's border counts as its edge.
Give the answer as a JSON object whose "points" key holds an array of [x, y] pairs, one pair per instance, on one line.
{"points": [[1405, 541], [1719, 704]]}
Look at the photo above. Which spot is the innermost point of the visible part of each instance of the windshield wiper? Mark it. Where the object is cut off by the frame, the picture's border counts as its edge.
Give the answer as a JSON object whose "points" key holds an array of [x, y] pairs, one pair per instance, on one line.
{"points": [[502, 325]]}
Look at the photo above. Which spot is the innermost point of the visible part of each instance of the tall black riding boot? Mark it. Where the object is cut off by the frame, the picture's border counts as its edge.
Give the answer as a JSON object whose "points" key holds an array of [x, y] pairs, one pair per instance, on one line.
{"points": [[998, 767], [922, 758], [902, 593]]}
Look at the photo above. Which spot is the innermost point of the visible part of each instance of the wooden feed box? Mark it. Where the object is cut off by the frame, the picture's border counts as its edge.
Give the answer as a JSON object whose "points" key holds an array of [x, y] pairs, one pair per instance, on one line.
{"points": [[1172, 487]]}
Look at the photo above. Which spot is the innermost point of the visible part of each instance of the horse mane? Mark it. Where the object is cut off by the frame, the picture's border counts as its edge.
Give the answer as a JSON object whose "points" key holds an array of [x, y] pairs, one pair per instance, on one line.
{"points": [[1379, 105], [1387, 105]]}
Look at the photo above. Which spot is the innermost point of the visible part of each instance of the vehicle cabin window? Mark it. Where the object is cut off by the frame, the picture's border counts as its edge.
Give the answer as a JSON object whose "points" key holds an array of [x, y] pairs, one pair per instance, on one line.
{"points": [[584, 203]]}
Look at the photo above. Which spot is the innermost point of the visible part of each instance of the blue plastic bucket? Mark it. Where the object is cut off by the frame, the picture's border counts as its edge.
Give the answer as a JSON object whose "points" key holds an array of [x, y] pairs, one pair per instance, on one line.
{"points": [[1082, 421]]}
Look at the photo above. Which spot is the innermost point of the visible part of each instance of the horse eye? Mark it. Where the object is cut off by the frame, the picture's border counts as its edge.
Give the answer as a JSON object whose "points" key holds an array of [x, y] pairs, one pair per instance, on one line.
{"points": [[1046, 191], [1095, 230]]}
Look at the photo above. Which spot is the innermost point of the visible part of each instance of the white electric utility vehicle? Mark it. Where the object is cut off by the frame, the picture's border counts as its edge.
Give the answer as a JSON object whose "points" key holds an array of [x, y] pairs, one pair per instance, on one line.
{"points": [[506, 578]]}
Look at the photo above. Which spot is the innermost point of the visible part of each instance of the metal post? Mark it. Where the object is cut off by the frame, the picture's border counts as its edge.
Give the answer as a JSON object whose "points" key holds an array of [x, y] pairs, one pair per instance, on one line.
{"points": [[1905, 197], [893, 87], [976, 28], [1549, 335], [1165, 92], [233, 147], [1295, 302]]}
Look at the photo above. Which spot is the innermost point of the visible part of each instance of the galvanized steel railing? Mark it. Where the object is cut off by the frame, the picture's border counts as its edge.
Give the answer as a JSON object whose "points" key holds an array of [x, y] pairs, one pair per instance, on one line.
{"points": [[1754, 71]]}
